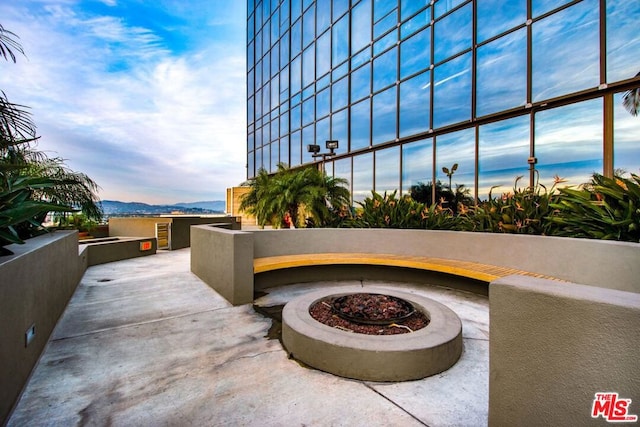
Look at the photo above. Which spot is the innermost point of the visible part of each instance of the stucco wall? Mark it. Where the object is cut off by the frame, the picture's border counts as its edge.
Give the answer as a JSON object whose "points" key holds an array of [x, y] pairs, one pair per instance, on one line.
{"points": [[123, 248], [224, 260], [615, 265], [180, 226], [36, 284], [554, 345]]}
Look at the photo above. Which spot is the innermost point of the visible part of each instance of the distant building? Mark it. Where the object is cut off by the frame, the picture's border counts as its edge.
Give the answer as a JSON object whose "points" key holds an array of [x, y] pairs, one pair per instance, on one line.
{"points": [[408, 87], [233, 201]]}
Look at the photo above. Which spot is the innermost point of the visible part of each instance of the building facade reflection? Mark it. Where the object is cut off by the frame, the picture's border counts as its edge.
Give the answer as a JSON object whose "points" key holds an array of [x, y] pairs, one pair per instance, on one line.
{"points": [[410, 86]]}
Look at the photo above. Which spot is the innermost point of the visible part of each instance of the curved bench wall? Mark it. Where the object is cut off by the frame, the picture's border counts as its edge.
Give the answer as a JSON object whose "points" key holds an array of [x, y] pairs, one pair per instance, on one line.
{"points": [[608, 264], [360, 272]]}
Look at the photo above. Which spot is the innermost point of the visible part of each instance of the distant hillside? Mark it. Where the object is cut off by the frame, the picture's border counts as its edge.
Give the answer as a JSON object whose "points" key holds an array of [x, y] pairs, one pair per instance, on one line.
{"points": [[215, 205], [114, 208]]}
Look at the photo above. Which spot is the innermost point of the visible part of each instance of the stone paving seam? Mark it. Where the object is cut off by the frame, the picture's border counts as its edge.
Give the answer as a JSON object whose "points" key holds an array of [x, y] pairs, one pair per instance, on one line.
{"points": [[98, 331], [370, 387]]}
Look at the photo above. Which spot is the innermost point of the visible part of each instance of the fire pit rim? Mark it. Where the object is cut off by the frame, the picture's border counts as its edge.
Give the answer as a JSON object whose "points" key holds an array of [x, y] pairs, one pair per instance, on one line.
{"points": [[400, 357]]}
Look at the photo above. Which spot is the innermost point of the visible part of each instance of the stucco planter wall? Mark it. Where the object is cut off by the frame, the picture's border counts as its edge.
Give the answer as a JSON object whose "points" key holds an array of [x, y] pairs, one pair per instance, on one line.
{"points": [[36, 284]]}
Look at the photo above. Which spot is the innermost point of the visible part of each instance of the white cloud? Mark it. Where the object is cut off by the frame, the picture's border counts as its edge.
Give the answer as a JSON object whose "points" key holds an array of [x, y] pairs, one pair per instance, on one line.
{"points": [[146, 123]]}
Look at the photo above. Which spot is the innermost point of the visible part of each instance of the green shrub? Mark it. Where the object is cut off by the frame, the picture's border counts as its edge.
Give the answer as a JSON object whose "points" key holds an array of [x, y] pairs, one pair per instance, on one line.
{"points": [[389, 211], [521, 212], [605, 208]]}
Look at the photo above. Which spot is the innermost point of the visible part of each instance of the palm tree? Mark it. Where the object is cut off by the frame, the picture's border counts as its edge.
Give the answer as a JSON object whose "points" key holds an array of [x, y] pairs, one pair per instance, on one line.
{"points": [[305, 192]]}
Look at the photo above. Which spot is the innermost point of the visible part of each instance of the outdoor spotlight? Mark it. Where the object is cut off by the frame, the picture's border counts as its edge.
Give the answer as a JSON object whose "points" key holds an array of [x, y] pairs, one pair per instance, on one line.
{"points": [[332, 145], [313, 148]]}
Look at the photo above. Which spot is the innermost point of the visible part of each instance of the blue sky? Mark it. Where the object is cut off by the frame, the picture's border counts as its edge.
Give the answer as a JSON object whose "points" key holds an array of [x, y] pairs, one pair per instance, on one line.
{"points": [[147, 97]]}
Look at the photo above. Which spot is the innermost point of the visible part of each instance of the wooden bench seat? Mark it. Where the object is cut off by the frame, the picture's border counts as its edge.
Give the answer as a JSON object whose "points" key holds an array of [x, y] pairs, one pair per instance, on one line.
{"points": [[472, 270]]}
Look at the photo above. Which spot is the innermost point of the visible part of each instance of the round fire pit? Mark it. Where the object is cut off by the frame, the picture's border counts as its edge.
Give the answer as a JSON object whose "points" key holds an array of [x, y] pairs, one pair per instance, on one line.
{"points": [[427, 351], [372, 309]]}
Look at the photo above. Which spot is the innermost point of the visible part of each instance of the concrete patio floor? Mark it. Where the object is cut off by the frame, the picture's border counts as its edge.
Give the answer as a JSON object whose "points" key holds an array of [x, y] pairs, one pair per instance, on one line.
{"points": [[144, 342]]}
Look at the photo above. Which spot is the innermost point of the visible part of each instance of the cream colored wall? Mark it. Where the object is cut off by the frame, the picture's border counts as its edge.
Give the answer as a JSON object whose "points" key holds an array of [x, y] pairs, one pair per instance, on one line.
{"points": [[234, 198], [554, 345]]}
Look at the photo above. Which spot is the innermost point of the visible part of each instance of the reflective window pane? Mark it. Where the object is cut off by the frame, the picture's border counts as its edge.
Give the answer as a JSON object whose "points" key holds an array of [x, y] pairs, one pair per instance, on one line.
{"points": [[384, 123], [415, 95], [501, 74], [498, 16], [275, 129], [568, 142], [284, 150], [295, 149], [323, 132], [387, 172], [416, 23], [323, 15], [360, 58], [452, 91], [360, 83], [296, 38], [415, 53], [360, 121], [296, 9], [275, 92], [308, 26], [382, 7], [339, 7], [322, 103], [296, 116], [626, 138], [409, 7], [540, 7], [323, 57], [417, 164], [308, 137], [284, 123], [284, 50], [623, 50], [444, 6], [385, 69], [250, 142], [388, 22], [251, 165], [339, 131], [361, 31], [342, 169], [339, 36], [308, 66], [308, 110], [385, 43], [339, 94], [457, 147], [362, 177], [296, 75], [275, 155], [453, 34], [566, 51], [503, 150]]}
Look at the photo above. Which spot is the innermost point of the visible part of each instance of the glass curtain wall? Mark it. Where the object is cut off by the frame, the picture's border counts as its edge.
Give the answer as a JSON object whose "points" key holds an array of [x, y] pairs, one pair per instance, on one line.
{"points": [[528, 88]]}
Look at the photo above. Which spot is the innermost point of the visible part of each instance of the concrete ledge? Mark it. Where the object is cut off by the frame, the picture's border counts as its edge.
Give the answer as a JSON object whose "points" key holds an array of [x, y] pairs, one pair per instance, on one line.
{"points": [[102, 251], [36, 283], [412, 356], [554, 345], [223, 259]]}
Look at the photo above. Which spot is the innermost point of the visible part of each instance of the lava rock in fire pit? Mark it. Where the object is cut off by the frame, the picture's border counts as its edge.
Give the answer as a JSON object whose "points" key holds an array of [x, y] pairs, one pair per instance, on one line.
{"points": [[372, 309]]}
